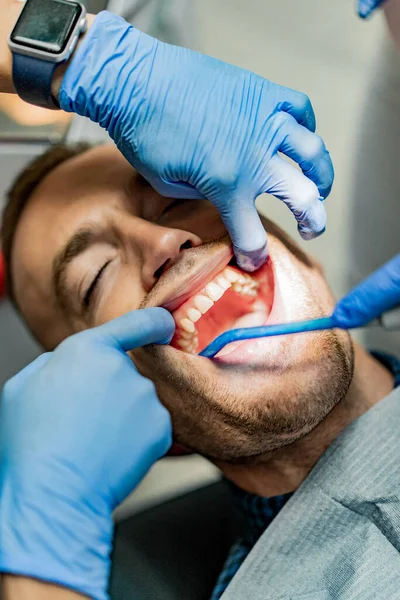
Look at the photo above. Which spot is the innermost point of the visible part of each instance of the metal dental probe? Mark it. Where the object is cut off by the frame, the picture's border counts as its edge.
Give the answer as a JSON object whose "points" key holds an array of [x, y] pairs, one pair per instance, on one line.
{"points": [[387, 315]]}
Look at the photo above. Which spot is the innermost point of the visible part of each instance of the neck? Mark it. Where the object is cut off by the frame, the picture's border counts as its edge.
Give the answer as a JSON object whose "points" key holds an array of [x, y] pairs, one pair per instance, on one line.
{"points": [[285, 469]]}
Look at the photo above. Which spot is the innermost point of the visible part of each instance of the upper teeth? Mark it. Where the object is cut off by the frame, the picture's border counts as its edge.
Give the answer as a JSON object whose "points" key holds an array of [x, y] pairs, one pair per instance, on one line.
{"points": [[231, 275], [203, 303], [194, 314], [223, 283], [249, 288], [187, 325], [213, 291]]}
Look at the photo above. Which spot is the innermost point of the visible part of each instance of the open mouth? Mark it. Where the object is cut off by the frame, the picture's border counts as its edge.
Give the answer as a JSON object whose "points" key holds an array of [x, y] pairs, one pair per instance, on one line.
{"points": [[232, 298]]}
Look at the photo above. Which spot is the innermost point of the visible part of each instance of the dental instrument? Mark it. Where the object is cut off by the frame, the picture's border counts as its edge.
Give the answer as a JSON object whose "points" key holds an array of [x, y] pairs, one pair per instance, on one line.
{"points": [[248, 333], [362, 307]]}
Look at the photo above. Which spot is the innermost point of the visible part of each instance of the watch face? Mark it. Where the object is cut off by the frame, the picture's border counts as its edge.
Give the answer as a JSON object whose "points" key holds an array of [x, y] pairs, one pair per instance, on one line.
{"points": [[46, 24]]}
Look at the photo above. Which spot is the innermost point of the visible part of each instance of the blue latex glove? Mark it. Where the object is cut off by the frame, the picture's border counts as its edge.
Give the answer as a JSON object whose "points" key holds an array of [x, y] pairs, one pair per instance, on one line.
{"points": [[377, 294], [79, 428], [196, 127], [367, 7]]}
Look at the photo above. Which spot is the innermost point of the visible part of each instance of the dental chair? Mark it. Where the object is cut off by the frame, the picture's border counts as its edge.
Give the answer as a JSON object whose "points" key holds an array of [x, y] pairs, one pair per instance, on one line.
{"points": [[176, 550]]}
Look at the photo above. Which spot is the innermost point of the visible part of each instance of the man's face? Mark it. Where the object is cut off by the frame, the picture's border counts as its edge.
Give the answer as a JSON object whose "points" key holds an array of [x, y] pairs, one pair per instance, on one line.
{"points": [[96, 241]]}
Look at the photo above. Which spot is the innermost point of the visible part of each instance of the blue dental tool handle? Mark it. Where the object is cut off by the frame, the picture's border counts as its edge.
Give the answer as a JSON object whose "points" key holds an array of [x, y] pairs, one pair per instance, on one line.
{"points": [[248, 333], [389, 320], [377, 297]]}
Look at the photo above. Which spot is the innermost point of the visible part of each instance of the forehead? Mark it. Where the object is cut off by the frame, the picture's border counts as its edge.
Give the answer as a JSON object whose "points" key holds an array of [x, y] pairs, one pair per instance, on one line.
{"points": [[88, 186]]}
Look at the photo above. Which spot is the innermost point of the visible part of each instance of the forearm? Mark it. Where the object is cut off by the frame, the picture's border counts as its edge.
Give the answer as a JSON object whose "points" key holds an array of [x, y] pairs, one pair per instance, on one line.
{"points": [[23, 588], [10, 12]]}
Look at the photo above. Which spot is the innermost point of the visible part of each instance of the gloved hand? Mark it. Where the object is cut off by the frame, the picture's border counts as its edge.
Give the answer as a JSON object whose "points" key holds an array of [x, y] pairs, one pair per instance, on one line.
{"points": [[196, 127], [367, 7], [377, 294], [79, 428]]}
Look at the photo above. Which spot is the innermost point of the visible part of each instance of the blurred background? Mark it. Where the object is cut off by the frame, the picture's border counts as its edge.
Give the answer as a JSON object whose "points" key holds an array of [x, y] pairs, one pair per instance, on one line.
{"points": [[349, 69]]}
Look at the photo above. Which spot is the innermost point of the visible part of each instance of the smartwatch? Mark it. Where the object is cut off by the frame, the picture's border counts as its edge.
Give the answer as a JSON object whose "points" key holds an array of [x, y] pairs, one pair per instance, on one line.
{"points": [[44, 36]]}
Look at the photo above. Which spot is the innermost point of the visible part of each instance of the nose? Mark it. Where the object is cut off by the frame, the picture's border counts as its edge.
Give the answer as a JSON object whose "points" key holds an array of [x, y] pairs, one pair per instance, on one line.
{"points": [[162, 250]]}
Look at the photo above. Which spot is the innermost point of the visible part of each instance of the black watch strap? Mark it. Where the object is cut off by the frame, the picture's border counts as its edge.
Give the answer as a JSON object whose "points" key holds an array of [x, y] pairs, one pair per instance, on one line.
{"points": [[33, 80]]}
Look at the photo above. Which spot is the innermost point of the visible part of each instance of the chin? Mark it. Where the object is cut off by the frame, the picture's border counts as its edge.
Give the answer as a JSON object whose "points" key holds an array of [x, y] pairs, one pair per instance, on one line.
{"points": [[258, 395]]}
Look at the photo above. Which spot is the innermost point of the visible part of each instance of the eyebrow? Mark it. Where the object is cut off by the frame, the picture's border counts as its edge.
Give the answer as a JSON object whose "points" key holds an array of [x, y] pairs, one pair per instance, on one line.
{"points": [[76, 245]]}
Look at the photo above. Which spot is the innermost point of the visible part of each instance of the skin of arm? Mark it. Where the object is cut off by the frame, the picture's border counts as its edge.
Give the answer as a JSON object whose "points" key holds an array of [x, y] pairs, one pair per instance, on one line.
{"points": [[24, 588], [10, 12]]}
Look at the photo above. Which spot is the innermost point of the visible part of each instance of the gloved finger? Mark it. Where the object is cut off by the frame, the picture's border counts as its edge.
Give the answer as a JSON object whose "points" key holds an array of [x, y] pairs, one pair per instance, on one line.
{"points": [[137, 328], [379, 293], [366, 7], [175, 189], [300, 194], [247, 233], [300, 108], [309, 152]]}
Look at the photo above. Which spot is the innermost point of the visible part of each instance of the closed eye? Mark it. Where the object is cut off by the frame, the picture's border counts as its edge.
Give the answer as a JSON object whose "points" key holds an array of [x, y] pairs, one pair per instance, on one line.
{"points": [[173, 205], [92, 287]]}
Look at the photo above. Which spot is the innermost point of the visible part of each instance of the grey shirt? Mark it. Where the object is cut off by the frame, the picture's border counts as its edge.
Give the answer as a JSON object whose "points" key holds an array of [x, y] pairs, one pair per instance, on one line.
{"points": [[338, 537]]}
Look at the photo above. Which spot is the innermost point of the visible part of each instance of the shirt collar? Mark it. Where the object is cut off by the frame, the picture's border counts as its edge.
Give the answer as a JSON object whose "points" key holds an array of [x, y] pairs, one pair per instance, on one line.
{"points": [[257, 511], [390, 362]]}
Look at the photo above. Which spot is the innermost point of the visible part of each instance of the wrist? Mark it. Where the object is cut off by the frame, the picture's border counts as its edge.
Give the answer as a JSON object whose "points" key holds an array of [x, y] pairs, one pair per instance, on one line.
{"points": [[64, 537], [10, 11], [62, 68], [110, 69], [15, 587]]}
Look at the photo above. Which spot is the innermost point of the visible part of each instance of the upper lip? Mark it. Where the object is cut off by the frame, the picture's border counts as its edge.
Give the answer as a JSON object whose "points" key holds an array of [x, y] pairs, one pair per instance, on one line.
{"points": [[190, 275]]}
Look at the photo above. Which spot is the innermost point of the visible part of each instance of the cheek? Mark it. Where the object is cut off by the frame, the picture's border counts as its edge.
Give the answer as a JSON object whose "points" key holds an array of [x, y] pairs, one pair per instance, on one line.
{"points": [[205, 222], [110, 312], [123, 295], [149, 365], [320, 290], [169, 374], [155, 365], [311, 281]]}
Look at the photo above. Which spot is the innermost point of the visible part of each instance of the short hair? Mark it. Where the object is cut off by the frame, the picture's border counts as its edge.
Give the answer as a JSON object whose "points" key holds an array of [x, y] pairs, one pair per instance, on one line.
{"points": [[19, 194]]}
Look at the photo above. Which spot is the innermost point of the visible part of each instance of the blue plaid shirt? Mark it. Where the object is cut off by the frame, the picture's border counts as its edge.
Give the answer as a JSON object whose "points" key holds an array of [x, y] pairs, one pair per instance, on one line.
{"points": [[259, 511]]}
